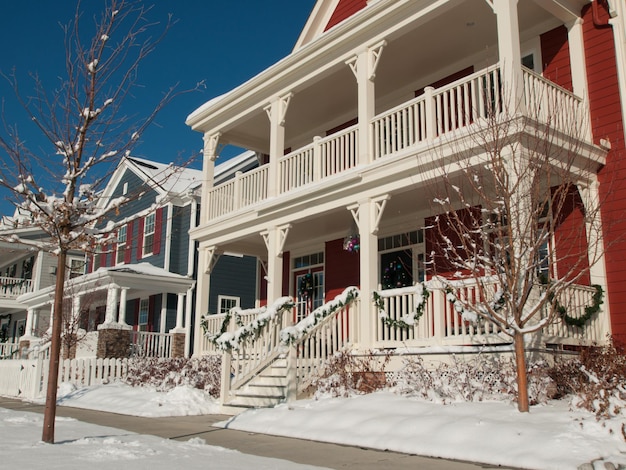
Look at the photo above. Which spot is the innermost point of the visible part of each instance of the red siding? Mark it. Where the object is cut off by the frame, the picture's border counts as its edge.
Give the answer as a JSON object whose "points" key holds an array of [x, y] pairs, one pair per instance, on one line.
{"points": [[606, 121], [341, 269], [436, 246], [555, 56], [345, 9], [570, 238]]}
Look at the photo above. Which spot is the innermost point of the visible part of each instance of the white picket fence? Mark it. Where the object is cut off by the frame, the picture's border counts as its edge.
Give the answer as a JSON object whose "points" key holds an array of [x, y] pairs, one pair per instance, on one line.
{"points": [[27, 378]]}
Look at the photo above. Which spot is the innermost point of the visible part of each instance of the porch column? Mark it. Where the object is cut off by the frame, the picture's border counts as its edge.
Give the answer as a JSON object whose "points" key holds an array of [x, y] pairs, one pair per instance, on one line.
{"points": [[275, 239], [590, 195], [276, 112], [207, 259], [579, 70], [208, 170], [123, 296], [509, 54], [30, 322], [367, 214], [180, 309], [364, 66], [111, 305], [187, 327], [163, 316]]}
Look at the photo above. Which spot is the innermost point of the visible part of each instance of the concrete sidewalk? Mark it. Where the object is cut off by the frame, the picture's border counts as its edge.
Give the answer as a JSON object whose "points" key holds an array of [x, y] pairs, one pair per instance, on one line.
{"points": [[295, 450]]}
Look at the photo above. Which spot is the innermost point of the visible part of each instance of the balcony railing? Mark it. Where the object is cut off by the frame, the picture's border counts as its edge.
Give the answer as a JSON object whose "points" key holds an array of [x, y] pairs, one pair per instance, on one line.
{"points": [[414, 124], [11, 287]]}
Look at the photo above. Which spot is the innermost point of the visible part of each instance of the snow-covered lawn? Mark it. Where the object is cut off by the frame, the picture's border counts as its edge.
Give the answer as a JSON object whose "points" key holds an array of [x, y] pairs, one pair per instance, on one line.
{"points": [[551, 436]]}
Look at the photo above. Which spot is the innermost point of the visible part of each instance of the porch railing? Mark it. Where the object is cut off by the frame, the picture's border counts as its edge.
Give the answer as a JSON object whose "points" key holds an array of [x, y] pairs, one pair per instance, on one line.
{"points": [[467, 101], [8, 350], [442, 325], [148, 344], [11, 287]]}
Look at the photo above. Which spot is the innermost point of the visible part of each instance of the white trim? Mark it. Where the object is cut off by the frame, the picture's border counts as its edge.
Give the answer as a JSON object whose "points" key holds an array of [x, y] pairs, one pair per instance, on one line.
{"points": [[220, 298]]}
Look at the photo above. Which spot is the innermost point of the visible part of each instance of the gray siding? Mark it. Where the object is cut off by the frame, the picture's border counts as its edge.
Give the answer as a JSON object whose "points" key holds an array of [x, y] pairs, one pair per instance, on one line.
{"points": [[235, 277]]}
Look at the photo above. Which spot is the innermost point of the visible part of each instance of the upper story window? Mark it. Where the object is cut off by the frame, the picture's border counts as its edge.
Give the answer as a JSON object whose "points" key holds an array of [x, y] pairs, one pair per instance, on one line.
{"points": [[77, 267], [148, 234], [121, 245]]}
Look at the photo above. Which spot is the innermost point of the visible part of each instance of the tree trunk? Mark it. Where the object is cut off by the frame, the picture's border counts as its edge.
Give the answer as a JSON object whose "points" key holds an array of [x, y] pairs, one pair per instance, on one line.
{"points": [[55, 350], [522, 377]]}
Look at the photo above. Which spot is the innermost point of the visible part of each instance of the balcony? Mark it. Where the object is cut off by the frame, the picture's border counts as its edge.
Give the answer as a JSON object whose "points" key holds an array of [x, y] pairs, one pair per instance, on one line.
{"points": [[11, 287], [429, 120]]}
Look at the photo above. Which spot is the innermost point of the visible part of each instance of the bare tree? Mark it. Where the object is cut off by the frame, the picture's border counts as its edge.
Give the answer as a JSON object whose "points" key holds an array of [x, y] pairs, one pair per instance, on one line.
{"points": [[519, 218], [88, 130]]}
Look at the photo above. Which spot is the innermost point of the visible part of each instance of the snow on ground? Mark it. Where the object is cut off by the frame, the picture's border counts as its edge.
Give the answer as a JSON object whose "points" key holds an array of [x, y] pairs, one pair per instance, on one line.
{"points": [[552, 436], [81, 445]]}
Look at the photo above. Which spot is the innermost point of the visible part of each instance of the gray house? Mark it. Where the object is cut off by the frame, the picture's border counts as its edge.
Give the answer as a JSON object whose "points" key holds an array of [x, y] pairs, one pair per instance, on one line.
{"points": [[142, 282]]}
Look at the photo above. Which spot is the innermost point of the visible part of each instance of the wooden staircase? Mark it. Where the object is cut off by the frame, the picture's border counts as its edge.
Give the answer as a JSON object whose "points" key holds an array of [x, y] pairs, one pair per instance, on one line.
{"points": [[266, 389], [268, 362]]}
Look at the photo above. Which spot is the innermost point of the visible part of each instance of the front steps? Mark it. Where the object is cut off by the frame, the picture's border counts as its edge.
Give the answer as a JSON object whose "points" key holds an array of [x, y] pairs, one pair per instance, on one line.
{"points": [[266, 389]]}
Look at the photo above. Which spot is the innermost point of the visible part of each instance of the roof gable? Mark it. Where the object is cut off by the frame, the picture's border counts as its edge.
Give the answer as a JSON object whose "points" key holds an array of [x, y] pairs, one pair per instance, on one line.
{"points": [[325, 15]]}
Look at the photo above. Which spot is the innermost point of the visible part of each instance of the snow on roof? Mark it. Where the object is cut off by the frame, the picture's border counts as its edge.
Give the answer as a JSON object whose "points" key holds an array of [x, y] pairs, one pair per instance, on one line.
{"points": [[170, 178], [206, 105], [142, 268]]}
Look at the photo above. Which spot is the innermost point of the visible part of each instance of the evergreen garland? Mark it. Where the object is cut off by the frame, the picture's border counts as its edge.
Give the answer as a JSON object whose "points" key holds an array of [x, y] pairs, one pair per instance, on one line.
{"points": [[590, 310], [409, 321]]}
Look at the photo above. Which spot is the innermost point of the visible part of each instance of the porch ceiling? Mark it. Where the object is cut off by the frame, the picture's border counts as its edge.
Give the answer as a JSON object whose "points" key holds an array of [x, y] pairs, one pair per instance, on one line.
{"points": [[458, 34]]}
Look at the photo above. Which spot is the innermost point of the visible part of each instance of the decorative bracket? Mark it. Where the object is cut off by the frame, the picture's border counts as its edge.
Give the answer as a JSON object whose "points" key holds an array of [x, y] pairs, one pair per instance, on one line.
{"points": [[378, 207], [211, 144], [283, 104], [211, 255], [373, 58], [283, 231], [352, 63]]}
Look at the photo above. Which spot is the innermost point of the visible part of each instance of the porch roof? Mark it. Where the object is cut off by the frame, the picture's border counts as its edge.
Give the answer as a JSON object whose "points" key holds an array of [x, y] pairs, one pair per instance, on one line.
{"points": [[140, 279]]}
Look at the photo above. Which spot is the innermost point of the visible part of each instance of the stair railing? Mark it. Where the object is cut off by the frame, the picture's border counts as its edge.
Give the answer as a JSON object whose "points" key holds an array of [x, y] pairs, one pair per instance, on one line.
{"points": [[252, 347], [318, 337]]}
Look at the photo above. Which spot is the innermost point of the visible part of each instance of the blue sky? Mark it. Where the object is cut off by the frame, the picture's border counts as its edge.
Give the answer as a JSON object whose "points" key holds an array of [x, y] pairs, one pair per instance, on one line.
{"points": [[223, 42]]}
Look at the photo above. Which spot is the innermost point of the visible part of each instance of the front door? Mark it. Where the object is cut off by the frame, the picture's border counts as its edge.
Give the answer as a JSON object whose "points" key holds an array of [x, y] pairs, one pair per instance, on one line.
{"points": [[309, 287]]}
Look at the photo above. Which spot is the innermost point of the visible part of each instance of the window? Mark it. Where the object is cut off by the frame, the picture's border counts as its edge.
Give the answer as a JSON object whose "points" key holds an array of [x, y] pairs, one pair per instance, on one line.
{"points": [[77, 267], [308, 281], [148, 235], [121, 245], [97, 261], [226, 303], [401, 260], [27, 267], [144, 308]]}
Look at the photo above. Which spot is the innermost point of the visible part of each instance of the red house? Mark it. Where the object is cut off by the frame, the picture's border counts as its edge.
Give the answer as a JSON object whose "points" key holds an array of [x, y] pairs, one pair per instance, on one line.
{"points": [[381, 104]]}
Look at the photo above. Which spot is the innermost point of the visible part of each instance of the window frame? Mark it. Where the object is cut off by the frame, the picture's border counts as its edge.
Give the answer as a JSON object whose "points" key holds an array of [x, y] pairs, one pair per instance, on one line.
{"points": [[227, 298], [149, 224], [120, 249]]}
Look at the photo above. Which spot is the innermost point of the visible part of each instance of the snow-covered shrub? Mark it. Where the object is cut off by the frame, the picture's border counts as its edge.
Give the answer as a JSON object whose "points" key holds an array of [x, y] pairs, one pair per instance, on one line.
{"points": [[346, 374], [165, 374], [484, 378], [596, 380]]}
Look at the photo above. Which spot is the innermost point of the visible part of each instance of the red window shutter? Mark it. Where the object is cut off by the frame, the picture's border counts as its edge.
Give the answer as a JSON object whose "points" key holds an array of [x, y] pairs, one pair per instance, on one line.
{"points": [[140, 239], [158, 222], [90, 261], [114, 252], [129, 242]]}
